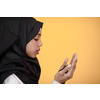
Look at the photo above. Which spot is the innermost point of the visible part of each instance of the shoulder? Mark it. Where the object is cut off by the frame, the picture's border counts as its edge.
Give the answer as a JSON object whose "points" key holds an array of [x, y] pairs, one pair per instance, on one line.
{"points": [[13, 79]]}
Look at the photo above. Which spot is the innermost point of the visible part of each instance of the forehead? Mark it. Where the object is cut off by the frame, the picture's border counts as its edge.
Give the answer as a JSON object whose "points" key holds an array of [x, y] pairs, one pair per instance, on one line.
{"points": [[39, 33]]}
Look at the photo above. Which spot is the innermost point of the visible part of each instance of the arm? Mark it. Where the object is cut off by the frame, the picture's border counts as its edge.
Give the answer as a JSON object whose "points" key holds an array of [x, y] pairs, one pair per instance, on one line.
{"points": [[13, 79]]}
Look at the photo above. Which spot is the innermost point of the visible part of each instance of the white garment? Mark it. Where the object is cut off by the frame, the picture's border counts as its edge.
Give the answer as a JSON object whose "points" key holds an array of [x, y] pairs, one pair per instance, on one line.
{"points": [[55, 82], [13, 79]]}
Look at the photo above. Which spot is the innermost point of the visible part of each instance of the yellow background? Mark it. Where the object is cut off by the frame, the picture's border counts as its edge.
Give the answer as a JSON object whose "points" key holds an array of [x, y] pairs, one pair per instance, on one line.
{"points": [[64, 36]]}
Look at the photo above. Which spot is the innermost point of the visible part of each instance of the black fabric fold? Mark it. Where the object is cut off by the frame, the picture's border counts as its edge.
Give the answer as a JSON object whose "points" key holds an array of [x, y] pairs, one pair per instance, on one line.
{"points": [[15, 33]]}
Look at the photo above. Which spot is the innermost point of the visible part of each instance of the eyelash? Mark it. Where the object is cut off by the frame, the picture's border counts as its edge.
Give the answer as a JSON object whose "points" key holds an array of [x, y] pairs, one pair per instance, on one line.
{"points": [[36, 39]]}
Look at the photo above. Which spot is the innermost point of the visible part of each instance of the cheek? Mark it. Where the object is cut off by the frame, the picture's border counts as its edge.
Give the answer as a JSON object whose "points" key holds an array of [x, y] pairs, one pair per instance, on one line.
{"points": [[31, 49]]}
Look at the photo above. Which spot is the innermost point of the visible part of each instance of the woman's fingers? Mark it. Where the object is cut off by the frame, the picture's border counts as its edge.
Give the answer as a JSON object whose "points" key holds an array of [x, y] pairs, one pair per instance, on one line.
{"points": [[70, 73], [72, 69], [65, 62], [62, 76], [63, 69], [74, 56], [74, 61], [59, 76], [67, 68]]}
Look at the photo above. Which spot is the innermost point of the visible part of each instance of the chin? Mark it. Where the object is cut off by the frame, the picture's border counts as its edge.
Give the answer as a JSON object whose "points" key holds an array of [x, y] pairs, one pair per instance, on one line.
{"points": [[33, 56]]}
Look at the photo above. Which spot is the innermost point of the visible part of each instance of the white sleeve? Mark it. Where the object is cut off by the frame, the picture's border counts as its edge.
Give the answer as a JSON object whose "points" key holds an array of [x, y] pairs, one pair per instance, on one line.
{"points": [[55, 82], [12, 79]]}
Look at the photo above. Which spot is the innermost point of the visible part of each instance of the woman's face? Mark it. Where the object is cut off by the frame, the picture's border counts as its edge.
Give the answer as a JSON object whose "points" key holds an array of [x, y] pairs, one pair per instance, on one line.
{"points": [[33, 47]]}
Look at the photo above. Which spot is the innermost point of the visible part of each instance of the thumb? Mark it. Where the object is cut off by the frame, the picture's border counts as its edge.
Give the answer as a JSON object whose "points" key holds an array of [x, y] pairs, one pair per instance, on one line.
{"points": [[65, 62]]}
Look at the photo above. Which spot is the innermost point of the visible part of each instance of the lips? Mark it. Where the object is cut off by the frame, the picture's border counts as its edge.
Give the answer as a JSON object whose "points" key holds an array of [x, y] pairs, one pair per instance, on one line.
{"points": [[37, 51]]}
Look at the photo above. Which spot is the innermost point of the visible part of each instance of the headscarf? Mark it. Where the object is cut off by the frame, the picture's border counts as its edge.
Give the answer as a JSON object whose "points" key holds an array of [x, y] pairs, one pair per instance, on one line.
{"points": [[15, 33]]}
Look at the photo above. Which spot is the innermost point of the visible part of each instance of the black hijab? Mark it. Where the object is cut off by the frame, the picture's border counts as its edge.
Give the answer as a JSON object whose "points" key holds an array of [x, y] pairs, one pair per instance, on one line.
{"points": [[15, 33]]}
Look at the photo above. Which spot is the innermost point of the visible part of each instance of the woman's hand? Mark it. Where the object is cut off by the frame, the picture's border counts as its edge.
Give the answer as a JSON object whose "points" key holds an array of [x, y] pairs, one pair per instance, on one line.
{"points": [[62, 76]]}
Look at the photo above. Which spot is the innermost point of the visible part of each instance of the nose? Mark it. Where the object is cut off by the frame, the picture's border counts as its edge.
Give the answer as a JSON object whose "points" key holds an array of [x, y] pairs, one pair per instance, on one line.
{"points": [[40, 43]]}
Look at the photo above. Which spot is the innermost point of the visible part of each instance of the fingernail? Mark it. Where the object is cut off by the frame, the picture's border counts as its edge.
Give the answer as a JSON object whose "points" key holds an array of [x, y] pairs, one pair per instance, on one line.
{"points": [[76, 59], [66, 60], [69, 66]]}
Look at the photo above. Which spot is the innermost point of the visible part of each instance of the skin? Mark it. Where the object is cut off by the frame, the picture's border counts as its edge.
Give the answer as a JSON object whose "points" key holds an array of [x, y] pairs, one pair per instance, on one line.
{"points": [[34, 45], [61, 76]]}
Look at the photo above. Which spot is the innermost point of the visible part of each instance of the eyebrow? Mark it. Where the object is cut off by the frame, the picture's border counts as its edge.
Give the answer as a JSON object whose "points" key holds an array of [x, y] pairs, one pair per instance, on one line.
{"points": [[39, 34]]}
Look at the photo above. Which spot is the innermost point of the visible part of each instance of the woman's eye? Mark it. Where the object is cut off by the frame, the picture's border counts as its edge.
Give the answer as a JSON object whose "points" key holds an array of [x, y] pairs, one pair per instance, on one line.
{"points": [[36, 39]]}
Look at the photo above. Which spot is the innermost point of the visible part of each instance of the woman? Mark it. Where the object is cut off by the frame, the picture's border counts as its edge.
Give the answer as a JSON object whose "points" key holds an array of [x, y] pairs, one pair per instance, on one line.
{"points": [[20, 42]]}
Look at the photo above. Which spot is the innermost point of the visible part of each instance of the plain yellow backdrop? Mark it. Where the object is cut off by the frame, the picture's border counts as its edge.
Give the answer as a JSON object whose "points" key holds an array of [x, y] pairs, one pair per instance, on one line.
{"points": [[64, 36]]}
